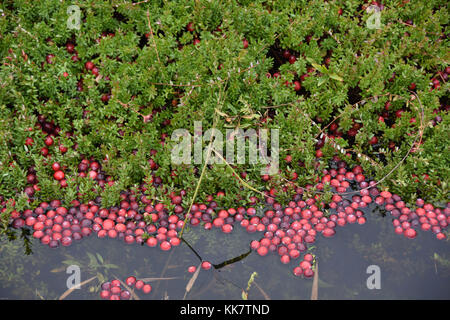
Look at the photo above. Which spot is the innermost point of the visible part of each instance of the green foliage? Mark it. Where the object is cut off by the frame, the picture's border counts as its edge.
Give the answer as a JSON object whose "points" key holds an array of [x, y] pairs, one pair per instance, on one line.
{"points": [[145, 70]]}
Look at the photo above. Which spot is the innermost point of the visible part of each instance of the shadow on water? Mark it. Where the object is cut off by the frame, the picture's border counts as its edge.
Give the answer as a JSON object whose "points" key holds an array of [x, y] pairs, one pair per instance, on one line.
{"points": [[410, 269]]}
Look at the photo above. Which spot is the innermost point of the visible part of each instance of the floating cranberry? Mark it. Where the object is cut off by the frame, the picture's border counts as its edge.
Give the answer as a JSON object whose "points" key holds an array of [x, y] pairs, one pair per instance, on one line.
{"points": [[125, 295], [298, 271], [285, 259], [192, 269], [262, 251], [206, 265], [147, 288], [165, 245], [308, 273], [116, 289], [328, 232], [66, 241], [410, 233], [105, 294]]}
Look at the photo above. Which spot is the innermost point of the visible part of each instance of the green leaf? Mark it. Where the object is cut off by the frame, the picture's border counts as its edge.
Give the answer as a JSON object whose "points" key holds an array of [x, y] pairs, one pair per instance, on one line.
{"points": [[335, 77], [99, 257], [92, 260]]}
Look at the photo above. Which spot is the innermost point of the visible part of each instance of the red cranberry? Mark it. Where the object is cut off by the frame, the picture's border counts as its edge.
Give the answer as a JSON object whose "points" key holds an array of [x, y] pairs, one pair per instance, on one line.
{"points": [[70, 47], [245, 43], [89, 65], [206, 265], [105, 294], [147, 288]]}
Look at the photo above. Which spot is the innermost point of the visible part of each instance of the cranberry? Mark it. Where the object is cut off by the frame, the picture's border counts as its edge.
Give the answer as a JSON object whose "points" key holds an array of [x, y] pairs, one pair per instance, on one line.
{"points": [[70, 47], [125, 295], [89, 65], [192, 269], [206, 265], [48, 141], [58, 175], [298, 271], [292, 59], [49, 58], [56, 166], [105, 294], [29, 141], [245, 43], [147, 288], [95, 71], [373, 141], [410, 233], [262, 251], [319, 153], [165, 245]]}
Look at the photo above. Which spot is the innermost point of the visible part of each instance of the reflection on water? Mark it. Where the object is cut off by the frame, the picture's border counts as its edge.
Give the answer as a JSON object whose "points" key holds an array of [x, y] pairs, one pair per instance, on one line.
{"points": [[410, 269]]}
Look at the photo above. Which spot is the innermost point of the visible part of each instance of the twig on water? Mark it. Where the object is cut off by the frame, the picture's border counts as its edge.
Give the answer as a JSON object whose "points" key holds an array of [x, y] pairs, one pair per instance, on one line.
{"points": [[159, 279], [191, 282], [69, 291], [315, 285], [265, 295]]}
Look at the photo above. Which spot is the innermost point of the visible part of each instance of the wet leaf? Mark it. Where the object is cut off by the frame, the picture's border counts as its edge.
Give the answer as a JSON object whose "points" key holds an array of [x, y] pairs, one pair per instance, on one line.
{"points": [[60, 269], [244, 295], [92, 260], [99, 257], [70, 262]]}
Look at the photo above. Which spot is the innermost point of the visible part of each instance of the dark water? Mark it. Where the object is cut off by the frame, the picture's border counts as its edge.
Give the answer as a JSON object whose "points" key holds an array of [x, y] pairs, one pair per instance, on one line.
{"points": [[410, 269]]}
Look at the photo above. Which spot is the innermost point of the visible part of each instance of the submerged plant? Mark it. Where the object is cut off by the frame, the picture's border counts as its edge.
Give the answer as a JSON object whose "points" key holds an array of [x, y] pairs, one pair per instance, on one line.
{"points": [[244, 294]]}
